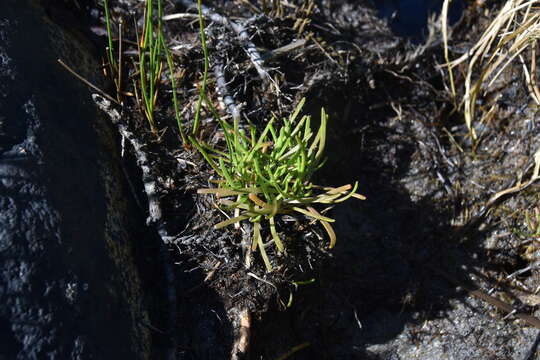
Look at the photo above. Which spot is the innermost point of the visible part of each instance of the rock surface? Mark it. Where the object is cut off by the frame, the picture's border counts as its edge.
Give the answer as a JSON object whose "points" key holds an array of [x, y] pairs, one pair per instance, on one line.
{"points": [[68, 285]]}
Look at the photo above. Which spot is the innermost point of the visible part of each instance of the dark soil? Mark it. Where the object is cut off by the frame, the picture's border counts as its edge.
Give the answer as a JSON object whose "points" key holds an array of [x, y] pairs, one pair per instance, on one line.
{"points": [[384, 291]]}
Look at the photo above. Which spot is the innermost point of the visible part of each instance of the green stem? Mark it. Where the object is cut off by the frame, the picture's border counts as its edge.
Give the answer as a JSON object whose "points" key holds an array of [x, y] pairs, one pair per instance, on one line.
{"points": [[202, 92]]}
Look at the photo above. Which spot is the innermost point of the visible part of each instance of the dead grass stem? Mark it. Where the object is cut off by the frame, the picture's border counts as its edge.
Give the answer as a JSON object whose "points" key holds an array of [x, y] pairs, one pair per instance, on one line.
{"points": [[514, 30]]}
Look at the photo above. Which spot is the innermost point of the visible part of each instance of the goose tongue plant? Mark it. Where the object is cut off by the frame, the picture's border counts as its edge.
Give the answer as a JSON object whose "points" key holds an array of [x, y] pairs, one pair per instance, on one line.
{"points": [[262, 177]]}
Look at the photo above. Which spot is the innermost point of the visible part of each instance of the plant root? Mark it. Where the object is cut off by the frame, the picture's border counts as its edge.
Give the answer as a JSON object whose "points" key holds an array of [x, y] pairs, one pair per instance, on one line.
{"points": [[242, 329]]}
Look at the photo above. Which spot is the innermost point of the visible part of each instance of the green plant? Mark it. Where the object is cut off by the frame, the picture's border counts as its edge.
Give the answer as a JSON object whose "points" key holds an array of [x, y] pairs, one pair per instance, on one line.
{"points": [[270, 175], [263, 176], [172, 79], [115, 67], [152, 47], [202, 91], [150, 64]]}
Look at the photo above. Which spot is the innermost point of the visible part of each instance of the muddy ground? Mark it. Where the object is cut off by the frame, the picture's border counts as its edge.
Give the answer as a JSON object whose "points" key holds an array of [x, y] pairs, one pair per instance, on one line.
{"points": [[400, 282]]}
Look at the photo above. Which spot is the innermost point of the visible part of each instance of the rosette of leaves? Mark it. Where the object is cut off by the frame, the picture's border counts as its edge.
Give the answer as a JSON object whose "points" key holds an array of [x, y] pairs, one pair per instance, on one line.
{"points": [[266, 175]]}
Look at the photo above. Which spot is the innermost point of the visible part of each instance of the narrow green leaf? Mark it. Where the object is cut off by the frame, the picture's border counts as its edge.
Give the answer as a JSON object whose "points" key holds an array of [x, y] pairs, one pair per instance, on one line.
{"points": [[298, 109], [258, 239], [205, 155], [275, 235]]}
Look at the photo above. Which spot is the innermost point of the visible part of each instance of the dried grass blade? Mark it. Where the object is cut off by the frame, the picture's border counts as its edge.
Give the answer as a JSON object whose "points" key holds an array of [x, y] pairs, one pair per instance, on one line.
{"points": [[219, 192], [444, 27], [327, 227], [312, 214], [230, 221]]}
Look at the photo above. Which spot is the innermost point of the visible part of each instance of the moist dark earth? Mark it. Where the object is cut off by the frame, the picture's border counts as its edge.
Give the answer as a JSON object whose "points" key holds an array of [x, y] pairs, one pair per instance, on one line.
{"points": [[399, 283]]}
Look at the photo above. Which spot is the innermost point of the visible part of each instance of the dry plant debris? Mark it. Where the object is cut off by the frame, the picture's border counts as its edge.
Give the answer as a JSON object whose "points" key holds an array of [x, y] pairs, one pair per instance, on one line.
{"points": [[511, 36]]}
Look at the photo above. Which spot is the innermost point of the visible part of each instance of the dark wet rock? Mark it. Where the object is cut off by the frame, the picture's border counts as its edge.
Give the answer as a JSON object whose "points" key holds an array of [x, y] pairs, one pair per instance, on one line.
{"points": [[68, 285]]}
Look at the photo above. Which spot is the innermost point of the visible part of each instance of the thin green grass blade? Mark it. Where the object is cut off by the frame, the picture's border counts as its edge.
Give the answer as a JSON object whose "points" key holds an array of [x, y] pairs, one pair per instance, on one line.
{"points": [[258, 239], [320, 140], [170, 65], [213, 152], [321, 135], [273, 132], [110, 50], [275, 235], [307, 130], [298, 127], [261, 140], [202, 91], [205, 155], [298, 109], [228, 177]]}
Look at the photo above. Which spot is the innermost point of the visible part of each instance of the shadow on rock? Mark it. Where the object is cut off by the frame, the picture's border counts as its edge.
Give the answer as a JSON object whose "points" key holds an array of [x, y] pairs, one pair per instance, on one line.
{"points": [[383, 274], [207, 330]]}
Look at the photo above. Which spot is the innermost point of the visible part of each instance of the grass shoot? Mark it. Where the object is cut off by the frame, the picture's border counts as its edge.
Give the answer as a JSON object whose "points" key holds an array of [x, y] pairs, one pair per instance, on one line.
{"points": [[263, 176], [153, 51], [150, 61], [115, 67]]}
